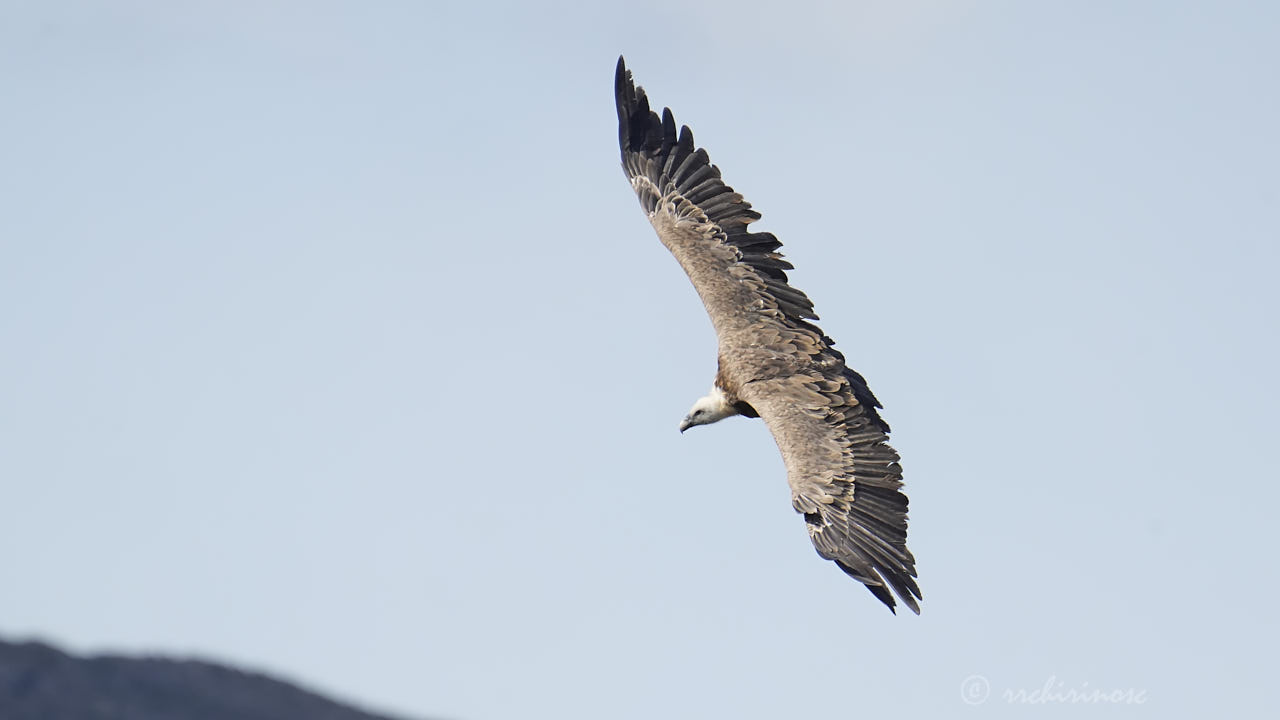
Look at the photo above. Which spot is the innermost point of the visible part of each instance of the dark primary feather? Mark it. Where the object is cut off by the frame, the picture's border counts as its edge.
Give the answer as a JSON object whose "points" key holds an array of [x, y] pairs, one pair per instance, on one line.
{"points": [[845, 478], [651, 146]]}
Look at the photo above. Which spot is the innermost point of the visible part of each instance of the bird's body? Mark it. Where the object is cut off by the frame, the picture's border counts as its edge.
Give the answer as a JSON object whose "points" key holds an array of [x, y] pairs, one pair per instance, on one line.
{"points": [[773, 362]]}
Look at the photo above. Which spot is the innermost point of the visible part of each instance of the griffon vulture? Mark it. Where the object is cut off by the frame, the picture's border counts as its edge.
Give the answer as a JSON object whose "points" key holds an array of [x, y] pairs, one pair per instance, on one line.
{"points": [[774, 363]]}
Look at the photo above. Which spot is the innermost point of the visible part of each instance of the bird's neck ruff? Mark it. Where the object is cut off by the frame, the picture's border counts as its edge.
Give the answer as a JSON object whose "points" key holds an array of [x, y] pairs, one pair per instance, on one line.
{"points": [[719, 401]]}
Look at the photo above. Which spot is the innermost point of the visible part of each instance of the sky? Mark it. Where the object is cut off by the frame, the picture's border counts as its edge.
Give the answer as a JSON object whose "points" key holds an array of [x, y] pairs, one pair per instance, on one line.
{"points": [[336, 346]]}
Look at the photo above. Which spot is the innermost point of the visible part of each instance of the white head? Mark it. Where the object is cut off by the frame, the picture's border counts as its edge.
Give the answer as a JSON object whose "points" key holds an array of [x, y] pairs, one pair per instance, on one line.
{"points": [[712, 408]]}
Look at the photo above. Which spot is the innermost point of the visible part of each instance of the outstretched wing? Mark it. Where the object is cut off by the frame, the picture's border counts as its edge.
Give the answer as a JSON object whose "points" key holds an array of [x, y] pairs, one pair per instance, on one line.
{"points": [[844, 477]]}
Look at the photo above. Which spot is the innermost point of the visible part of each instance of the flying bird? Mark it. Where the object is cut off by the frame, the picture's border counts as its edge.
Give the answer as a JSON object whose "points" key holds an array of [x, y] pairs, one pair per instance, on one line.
{"points": [[774, 363]]}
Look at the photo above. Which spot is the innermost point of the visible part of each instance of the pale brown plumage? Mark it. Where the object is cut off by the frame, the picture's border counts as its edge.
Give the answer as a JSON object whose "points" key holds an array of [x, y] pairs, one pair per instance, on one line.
{"points": [[844, 477]]}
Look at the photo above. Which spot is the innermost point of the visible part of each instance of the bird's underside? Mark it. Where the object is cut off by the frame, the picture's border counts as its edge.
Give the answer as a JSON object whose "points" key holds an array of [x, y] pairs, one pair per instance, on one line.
{"points": [[773, 362]]}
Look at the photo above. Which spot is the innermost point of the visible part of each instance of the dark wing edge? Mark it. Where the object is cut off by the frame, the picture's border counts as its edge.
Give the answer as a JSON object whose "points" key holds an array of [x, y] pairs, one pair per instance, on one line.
{"points": [[863, 527], [652, 149], [851, 499]]}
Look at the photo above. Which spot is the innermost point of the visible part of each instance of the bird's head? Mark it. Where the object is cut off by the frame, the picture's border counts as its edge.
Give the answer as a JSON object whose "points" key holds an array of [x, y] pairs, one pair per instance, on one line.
{"points": [[712, 408]]}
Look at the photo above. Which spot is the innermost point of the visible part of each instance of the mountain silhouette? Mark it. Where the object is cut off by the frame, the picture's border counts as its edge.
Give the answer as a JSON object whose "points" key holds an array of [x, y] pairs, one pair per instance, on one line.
{"points": [[40, 682]]}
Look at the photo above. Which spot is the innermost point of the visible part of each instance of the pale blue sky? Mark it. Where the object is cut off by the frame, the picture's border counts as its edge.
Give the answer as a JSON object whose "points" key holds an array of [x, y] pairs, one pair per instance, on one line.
{"points": [[336, 345]]}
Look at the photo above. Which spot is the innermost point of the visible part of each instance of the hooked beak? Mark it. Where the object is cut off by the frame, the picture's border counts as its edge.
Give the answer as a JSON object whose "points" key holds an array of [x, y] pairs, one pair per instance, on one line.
{"points": [[685, 425]]}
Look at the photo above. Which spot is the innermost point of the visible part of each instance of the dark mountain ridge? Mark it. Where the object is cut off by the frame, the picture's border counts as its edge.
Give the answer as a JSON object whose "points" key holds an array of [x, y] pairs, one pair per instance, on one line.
{"points": [[40, 682]]}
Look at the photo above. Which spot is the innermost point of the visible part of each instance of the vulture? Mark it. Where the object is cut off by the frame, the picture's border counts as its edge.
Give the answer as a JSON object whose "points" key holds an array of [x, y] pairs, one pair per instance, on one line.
{"points": [[774, 362]]}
